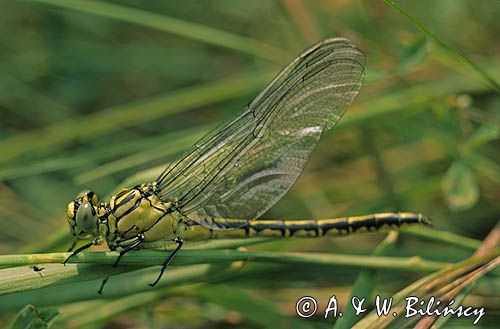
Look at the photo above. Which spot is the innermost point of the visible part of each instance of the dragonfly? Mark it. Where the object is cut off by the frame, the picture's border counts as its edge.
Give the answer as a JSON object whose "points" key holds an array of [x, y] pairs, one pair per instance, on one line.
{"points": [[235, 173]]}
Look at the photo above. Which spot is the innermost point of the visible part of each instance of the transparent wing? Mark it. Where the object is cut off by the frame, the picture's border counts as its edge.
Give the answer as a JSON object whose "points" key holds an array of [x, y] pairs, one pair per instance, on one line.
{"points": [[244, 167]]}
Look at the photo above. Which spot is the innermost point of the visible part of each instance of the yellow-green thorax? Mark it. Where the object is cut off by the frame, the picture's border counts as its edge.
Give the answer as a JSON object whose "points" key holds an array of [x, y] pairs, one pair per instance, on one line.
{"points": [[136, 211]]}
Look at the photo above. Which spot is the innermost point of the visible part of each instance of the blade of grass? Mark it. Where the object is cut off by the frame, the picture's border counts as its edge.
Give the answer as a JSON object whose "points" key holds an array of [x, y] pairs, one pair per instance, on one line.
{"points": [[169, 148], [418, 97], [452, 51], [449, 238], [31, 318], [127, 115], [261, 312], [105, 152], [172, 25], [486, 256], [189, 257], [364, 283], [464, 284], [120, 285], [107, 310], [440, 322], [24, 278], [424, 284], [451, 290], [226, 244], [361, 114]]}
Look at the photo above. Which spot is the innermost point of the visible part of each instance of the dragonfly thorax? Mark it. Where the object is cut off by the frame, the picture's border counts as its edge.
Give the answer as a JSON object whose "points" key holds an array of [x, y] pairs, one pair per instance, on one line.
{"points": [[139, 211], [130, 214]]}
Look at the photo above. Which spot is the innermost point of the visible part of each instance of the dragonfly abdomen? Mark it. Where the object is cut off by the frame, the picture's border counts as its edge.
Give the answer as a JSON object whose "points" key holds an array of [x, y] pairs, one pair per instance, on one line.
{"points": [[373, 222], [232, 228]]}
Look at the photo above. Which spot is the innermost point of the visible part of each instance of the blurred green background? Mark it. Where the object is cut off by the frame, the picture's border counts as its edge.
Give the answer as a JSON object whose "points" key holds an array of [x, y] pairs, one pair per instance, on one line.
{"points": [[93, 93]]}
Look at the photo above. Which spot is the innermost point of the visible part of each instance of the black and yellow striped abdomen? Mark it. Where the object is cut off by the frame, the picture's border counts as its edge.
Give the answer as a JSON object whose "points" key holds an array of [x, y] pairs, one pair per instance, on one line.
{"points": [[139, 212], [234, 228]]}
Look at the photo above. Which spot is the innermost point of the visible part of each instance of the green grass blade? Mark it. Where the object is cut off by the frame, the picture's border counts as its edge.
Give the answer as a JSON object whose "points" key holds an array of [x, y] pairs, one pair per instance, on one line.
{"points": [[124, 284], [172, 25], [127, 115], [364, 283], [259, 311], [176, 285], [31, 318], [452, 51], [426, 284], [190, 257], [169, 148], [449, 238], [24, 278]]}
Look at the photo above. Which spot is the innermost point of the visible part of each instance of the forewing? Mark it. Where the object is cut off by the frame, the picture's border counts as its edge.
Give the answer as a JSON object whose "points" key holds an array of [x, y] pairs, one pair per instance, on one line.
{"points": [[241, 169]]}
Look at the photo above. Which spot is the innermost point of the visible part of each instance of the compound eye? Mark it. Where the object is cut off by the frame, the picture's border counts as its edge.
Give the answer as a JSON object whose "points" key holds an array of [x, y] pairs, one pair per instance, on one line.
{"points": [[86, 217]]}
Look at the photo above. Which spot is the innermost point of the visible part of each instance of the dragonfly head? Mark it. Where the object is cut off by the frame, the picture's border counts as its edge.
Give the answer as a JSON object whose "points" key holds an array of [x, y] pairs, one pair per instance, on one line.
{"points": [[82, 215]]}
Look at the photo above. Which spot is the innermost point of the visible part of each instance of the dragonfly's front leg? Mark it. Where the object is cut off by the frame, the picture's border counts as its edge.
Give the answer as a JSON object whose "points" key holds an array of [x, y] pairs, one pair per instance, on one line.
{"points": [[169, 259], [94, 242], [73, 244]]}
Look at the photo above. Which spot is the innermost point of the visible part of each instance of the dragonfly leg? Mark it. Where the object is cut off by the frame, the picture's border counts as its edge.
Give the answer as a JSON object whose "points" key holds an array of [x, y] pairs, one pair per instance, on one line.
{"points": [[99, 291], [73, 244], [86, 246], [167, 261], [136, 241]]}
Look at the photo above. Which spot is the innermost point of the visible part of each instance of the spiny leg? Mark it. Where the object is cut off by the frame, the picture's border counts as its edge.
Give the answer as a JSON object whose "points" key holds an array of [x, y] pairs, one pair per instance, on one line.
{"points": [[99, 291], [138, 240], [139, 237], [73, 244], [167, 261], [86, 246]]}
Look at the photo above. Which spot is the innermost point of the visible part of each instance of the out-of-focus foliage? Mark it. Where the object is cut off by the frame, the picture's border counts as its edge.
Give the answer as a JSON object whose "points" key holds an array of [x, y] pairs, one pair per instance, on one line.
{"points": [[30, 318], [92, 93]]}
